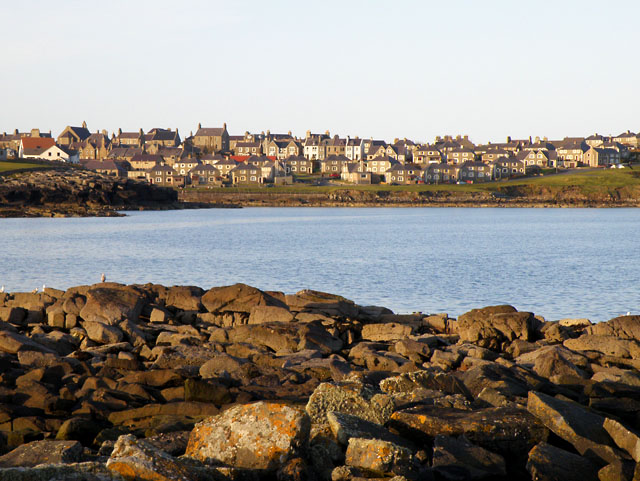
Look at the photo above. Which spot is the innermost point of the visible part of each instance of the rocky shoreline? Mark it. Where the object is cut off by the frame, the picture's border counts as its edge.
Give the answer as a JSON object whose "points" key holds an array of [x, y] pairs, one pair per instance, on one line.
{"points": [[67, 192], [112, 382], [505, 197]]}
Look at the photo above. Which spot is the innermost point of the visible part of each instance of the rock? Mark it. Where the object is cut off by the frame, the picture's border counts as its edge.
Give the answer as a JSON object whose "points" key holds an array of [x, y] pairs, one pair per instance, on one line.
{"points": [[264, 314], [350, 398], [79, 429], [237, 298], [576, 425], [185, 298], [607, 345], [174, 443], [159, 315], [457, 458], [112, 305], [87, 471], [314, 336], [13, 315], [56, 317], [277, 337], [321, 302], [262, 436], [509, 431], [413, 350], [136, 459], [549, 463], [491, 326], [619, 471], [12, 342], [220, 363], [192, 411], [347, 426], [155, 377], [208, 392], [42, 452], [389, 331], [379, 457], [409, 381], [623, 327], [102, 333], [510, 382], [624, 438]]}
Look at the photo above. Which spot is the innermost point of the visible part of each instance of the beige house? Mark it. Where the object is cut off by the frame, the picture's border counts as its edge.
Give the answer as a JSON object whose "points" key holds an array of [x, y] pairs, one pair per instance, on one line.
{"points": [[427, 154], [248, 148], [299, 165], [205, 175], [247, 174], [281, 149], [129, 139], [460, 155], [571, 154], [332, 165], [212, 140], [379, 165], [475, 172], [161, 138], [442, 173], [595, 157], [184, 166], [356, 173], [404, 174], [507, 167], [145, 161], [71, 134], [165, 176], [225, 166]]}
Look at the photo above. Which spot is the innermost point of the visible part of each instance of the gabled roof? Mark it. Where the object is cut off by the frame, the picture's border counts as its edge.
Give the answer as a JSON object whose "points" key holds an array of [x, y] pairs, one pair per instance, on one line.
{"points": [[210, 132], [37, 142], [164, 168], [81, 132], [341, 158], [147, 158]]}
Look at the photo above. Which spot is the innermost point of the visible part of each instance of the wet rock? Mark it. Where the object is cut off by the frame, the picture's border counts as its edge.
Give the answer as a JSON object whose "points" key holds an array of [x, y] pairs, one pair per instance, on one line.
{"points": [[549, 463], [257, 436], [457, 458], [42, 452], [576, 425], [380, 457], [351, 398]]}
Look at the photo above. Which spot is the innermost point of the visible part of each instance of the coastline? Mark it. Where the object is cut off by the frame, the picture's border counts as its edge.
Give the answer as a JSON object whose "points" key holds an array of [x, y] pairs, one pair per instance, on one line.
{"points": [[119, 374]]}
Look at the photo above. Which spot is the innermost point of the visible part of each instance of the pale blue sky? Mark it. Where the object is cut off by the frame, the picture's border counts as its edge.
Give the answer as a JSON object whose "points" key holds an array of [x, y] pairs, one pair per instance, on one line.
{"points": [[378, 69]]}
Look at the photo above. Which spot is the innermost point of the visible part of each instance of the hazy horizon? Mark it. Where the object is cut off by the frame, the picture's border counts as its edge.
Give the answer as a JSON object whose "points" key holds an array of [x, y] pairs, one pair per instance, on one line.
{"points": [[363, 68]]}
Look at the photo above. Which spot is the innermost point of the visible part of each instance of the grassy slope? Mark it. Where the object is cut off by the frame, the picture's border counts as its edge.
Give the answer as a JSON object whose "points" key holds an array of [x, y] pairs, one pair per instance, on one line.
{"points": [[17, 164], [600, 180]]}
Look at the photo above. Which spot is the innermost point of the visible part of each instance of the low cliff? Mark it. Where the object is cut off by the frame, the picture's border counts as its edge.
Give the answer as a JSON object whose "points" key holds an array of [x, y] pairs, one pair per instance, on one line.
{"points": [[74, 192]]}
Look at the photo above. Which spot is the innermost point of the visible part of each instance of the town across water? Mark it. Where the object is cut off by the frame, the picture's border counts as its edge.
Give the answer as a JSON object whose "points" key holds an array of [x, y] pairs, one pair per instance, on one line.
{"points": [[558, 263]]}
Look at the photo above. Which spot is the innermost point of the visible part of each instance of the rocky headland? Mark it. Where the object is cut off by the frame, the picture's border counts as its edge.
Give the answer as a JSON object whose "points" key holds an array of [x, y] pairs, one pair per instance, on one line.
{"points": [[146, 382], [65, 191]]}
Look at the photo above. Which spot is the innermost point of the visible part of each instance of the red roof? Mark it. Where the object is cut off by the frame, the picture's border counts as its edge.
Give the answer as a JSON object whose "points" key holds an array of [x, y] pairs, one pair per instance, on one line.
{"points": [[242, 158], [37, 142]]}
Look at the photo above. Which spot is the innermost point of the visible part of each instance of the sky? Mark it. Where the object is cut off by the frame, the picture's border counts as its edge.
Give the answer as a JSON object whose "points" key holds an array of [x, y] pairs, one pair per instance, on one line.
{"points": [[416, 69]]}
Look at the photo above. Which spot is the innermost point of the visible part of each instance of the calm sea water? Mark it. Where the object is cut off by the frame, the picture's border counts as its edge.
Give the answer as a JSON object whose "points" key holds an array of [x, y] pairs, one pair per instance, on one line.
{"points": [[555, 262]]}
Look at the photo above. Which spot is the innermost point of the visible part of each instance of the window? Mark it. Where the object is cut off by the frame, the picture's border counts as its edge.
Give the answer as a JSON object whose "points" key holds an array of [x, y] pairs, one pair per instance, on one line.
{"points": [[303, 169], [253, 177], [243, 178], [159, 179], [400, 179]]}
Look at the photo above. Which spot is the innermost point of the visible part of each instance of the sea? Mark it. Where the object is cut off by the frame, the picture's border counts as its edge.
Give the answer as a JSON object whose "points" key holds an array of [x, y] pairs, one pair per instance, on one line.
{"points": [[557, 263]]}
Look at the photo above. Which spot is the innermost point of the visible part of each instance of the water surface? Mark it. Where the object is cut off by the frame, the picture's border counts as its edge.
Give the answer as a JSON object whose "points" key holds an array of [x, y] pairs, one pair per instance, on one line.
{"points": [[555, 262]]}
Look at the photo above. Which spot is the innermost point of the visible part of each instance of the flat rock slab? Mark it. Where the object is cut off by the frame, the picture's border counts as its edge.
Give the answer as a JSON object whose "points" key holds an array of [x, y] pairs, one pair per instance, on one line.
{"points": [[262, 436], [576, 425], [505, 430], [186, 409], [42, 452], [624, 438], [549, 463], [346, 426]]}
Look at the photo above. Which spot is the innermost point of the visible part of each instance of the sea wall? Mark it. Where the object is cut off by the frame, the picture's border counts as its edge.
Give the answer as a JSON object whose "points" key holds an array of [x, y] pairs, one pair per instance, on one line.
{"points": [[111, 381]]}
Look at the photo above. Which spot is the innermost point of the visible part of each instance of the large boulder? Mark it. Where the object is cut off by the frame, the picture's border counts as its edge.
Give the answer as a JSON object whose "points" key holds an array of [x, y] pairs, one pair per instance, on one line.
{"points": [[509, 431], [387, 331], [575, 424], [42, 452], [102, 333], [237, 298], [491, 326], [380, 457], [185, 298], [623, 327], [323, 303], [263, 436], [624, 438], [110, 305], [137, 459], [351, 398], [457, 458], [607, 345], [550, 463]]}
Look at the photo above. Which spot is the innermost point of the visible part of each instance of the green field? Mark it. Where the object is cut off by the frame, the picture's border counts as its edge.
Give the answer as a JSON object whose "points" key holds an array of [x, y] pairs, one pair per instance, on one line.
{"points": [[588, 181], [16, 165]]}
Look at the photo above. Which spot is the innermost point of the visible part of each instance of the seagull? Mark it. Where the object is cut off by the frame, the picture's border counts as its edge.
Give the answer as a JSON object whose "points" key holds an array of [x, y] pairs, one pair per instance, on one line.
{"points": [[35, 291], [628, 313], [43, 287], [1, 289], [103, 277]]}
